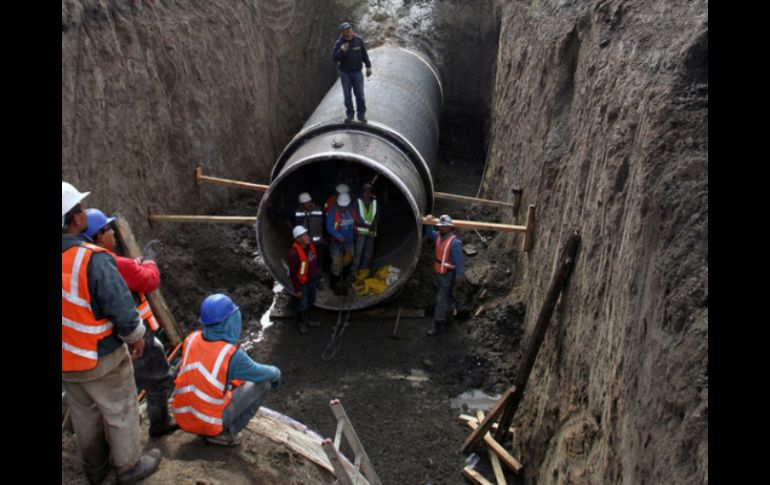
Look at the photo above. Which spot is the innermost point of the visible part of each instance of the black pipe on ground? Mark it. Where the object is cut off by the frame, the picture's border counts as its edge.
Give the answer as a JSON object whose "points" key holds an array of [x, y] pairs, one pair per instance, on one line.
{"points": [[397, 147]]}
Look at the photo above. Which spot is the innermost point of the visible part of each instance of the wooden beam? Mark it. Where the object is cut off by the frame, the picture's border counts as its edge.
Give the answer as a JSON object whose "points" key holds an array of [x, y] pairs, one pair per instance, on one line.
{"points": [[157, 302], [516, 202], [467, 417], [493, 458], [558, 281], [203, 219], [529, 232], [465, 198], [477, 435], [199, 178], [497, 448], [475, 476], [484, 226]]}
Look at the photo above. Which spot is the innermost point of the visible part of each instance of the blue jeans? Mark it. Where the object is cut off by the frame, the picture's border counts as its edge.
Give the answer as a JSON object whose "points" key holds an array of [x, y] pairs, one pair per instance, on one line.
{"points": [[443, 295], [307, 301], [244, 405], [353, 80]]}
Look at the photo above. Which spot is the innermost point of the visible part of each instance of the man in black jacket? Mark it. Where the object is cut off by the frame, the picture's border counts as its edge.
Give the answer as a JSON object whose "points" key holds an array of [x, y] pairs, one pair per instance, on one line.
{"points": [[350, 53]]}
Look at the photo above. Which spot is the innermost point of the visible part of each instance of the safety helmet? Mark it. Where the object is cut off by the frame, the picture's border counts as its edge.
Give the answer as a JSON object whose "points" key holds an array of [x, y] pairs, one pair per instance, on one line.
{"points": [[444, 221], [70, 197], [216, 308], [305, 197], [342, 189], [298, 231], [96, 221], [344, 199]]}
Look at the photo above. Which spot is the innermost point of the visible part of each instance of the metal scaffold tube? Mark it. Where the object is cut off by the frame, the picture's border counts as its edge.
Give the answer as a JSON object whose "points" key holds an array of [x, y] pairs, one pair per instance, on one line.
{"points": [[397, 149]]}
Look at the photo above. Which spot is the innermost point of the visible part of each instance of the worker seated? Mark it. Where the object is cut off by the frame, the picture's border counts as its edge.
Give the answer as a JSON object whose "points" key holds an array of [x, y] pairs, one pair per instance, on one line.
{"points": [[219, 387]]}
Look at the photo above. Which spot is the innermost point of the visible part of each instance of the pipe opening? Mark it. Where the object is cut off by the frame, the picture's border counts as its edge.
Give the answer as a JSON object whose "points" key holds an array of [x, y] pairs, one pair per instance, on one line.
{"points": [[398, 233]]}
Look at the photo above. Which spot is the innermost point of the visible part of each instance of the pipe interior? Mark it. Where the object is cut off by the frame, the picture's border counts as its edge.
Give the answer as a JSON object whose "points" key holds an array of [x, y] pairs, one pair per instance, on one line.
{"points": [[397, 241]]}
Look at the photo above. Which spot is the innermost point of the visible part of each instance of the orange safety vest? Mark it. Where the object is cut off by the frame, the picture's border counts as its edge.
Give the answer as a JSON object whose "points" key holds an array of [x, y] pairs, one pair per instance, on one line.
{"points": [[201, 392], [441, 265], [80, 329], [145, 312], [304, 263], [338, 219]]}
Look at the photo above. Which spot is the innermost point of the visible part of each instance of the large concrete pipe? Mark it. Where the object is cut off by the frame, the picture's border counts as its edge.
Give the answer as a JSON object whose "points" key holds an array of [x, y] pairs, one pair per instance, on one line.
{"points": [[398, 146]]}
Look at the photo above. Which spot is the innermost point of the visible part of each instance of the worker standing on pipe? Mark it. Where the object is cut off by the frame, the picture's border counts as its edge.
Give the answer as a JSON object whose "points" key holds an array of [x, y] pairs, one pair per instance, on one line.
{"points": [[350, 53], [341, 225], [98, 318], [211, 398], [151, 371], [368, 217], [449, 265], [303, 269]]}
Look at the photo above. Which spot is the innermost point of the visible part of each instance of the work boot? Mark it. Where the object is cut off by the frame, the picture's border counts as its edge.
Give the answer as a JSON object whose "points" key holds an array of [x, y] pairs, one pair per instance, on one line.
{"points": [[97, 475], [433, 329], [145, 467], [348, 119], [362, 119], [161, 423], [225, 438]]}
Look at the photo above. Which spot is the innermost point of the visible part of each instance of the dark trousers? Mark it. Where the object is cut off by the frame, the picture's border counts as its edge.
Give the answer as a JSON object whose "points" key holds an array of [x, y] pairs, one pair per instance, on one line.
{"points": [[354, 80], [153, 374], [305, 304], [445, 282]]}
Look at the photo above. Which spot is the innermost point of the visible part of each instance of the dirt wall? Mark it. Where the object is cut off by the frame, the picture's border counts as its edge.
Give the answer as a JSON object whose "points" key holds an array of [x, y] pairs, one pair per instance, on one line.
{"points": [[601, 116], [152, 89]]}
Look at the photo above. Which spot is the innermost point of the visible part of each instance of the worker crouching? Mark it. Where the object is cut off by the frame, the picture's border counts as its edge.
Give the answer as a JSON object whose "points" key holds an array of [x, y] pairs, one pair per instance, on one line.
{"points": [[341, 225], [303, 268], [449, 265], [219, 387]]}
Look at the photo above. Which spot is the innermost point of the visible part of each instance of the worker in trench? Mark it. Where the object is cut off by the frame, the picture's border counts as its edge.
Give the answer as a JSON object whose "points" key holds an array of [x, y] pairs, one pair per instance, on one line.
{"points": [[304, 270], [151, 371], [349, 53], [219, 387], [339, 189], [101, 333], [368, 217], [341, 222], [449, 266]]}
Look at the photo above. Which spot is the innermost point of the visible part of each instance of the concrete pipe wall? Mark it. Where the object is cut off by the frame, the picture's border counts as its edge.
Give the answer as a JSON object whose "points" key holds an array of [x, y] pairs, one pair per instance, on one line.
{"points": [[397, 148]]}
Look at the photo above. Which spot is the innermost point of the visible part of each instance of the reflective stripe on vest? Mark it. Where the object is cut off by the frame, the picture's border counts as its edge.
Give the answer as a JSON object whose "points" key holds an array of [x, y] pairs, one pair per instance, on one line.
{"points": [[339, 222], [303, 261], [442, 250], [201, 392], [301, 214], [145, 312], [367, 214], [80, 331]]}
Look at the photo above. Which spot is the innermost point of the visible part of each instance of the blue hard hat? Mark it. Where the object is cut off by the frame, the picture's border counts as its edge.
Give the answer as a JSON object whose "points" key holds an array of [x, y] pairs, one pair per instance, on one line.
{"points": [[96, 221], [216, 308]]}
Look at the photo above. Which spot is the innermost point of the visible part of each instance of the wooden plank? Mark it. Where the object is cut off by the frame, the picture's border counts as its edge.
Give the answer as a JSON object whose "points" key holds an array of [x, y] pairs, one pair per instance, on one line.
{"points": [[484, 226], [334, 458], [529, 231], [478, 312], [558, 281], [202, 219], [391, 313], [475, 476], [157, 302], [465, 198], [354, 441], [497, 448], [199, 178], [467, 417], [493, 458], [477, 435]]}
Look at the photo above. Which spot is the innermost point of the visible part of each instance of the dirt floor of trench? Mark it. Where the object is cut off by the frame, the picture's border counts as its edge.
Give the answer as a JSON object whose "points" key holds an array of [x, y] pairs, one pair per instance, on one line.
{"points": [[399, 393]]}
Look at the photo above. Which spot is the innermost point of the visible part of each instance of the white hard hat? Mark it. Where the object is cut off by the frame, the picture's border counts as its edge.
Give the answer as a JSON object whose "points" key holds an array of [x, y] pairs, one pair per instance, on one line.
{"points": [[343, 189], [298, 231], [444, 221], [70, 197], [344, 199], [305, 197]]}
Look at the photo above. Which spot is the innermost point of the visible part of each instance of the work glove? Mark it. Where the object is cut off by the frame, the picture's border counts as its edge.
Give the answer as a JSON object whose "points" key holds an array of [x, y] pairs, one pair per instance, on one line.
{"points": [[345, 46], [368, 71], [149, 253]]}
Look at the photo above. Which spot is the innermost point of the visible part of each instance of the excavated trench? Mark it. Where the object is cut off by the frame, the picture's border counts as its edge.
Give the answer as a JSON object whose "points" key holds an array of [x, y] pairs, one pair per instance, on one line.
{"points": [[598, 110]]}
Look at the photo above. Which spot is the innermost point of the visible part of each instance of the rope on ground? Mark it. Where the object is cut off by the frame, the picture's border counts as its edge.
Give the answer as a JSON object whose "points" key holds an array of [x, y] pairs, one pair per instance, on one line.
{"points": [[335, 342]]}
